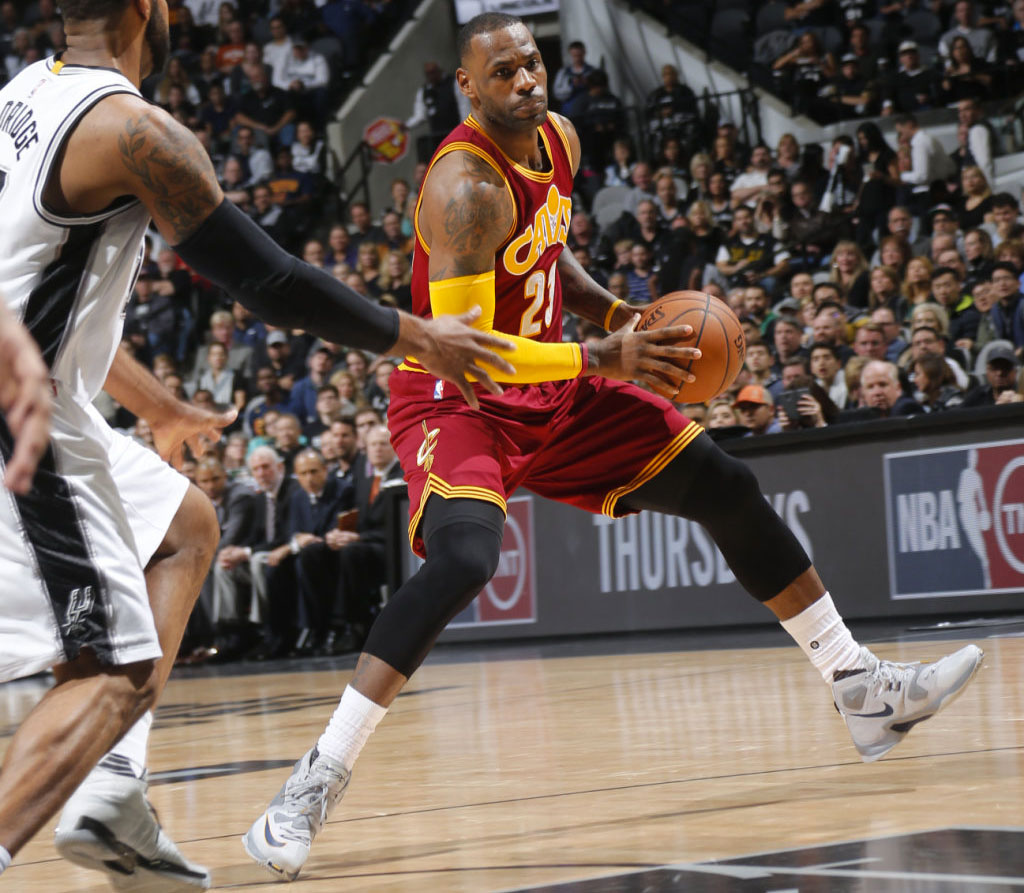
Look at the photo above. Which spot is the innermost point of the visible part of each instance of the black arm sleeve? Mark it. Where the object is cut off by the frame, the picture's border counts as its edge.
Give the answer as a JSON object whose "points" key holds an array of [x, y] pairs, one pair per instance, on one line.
{"points": [[232, 252]]}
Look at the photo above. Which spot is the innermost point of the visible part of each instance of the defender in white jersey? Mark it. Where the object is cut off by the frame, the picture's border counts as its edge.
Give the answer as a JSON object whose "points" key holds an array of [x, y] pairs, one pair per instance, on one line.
{"points": [[84, 161]]}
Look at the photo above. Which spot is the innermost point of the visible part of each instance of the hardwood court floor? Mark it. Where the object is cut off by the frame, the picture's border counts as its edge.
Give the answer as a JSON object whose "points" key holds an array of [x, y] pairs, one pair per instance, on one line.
{"points": [[496, 774]]}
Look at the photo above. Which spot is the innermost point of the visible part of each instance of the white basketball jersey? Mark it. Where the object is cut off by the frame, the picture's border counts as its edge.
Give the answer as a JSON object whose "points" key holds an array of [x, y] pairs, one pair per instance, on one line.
{"points": [[68, 278]]}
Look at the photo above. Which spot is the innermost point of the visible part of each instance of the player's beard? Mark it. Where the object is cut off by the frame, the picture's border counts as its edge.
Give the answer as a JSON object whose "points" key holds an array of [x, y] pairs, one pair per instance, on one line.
{"points": [[158, 39]]}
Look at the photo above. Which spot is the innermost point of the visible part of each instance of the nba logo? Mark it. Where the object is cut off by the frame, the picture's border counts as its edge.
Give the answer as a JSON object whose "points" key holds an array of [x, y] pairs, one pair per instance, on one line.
{"points": [[439, 389], [955, 520]]}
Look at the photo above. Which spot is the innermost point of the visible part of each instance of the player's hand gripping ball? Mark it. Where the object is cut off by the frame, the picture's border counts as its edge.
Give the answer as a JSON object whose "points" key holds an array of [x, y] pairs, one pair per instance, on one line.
{"points": [[716, 331]]}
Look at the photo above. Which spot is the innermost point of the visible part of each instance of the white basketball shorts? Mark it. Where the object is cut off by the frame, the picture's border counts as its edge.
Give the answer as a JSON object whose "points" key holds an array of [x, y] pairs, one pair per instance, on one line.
{"points": [[72, 551]]}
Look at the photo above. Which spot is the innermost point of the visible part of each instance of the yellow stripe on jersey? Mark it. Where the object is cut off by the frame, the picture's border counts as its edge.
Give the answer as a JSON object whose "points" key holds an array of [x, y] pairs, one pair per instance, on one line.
{"points": [[534, 361], [462, 146], [57, 66], [562, 136], [674, 447]]}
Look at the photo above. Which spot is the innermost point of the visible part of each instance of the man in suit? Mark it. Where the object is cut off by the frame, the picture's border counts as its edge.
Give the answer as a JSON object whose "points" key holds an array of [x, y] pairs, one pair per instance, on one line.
{"points": [[313, 512], [218, 620], [359, 556], [273, 584]]}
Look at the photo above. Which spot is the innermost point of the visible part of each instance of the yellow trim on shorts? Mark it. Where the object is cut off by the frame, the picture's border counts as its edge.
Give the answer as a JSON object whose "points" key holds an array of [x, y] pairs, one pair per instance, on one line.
{"points": [[446, 491], [678, 443], [481, 153]]}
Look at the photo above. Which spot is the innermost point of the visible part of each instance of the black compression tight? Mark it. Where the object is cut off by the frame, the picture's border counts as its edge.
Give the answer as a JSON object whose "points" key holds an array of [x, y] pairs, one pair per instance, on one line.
{"points": [[463, 539], [707, 485]]}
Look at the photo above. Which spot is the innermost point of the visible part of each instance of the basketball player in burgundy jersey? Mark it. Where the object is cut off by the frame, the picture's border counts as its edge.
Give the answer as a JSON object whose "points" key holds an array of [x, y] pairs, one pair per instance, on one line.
{"points": [[491, 225]]}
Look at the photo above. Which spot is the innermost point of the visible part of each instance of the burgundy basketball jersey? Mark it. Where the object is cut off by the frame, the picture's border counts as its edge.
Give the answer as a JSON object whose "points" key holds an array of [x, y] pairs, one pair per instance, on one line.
{"points": [[528, 294]]}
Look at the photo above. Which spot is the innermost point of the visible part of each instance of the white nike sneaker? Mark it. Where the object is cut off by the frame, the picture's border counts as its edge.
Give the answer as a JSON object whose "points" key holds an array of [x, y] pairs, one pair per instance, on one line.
{"points": [[280, 838], [108, 825], [885, 700]]}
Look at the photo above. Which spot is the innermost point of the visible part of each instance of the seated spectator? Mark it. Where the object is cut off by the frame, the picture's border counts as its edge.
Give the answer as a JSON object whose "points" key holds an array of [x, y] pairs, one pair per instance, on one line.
{"points": [[829, 327], [749, 257], [667, 199], [850, 272], [964, 75], [569, 85], [215, 117], [827, 369], [894, 252], [916, 287], [362, 229], [975, 203], [787, 338], [394, 238], [257, 163], [844, 181], [225, 385], [270, 397], [395, 280], [927, 339], [980, 140], [720, 201], [232, 182], [947, 292], [787, 155], [758, 362], [725, 159], [721, 414], [807, 68], [286, 365], [305, 393], [357, 366], [748, 186], [222, 330], [232, 47], [266, 212], [293, 192], [368, 266], [307, 150], [881, 394], [756, 411], [913, 87], [672, 110], [359, 568], [850, 93], [153, 319], [640, 277], [339, 247], [267, 110], [313, 516], [378, 392], [620, 171], [1005, 213], [583, 234], [980, 40], [1007, 310], [176, 76], [307, 76], [618, 285], [351, 397], [706, 236], [809, 233], [673, 159], [934, 386], [885, 289], [241, 77], [1001, 370], [869, 341], [813, 408], [701, 168], [978, 255]]}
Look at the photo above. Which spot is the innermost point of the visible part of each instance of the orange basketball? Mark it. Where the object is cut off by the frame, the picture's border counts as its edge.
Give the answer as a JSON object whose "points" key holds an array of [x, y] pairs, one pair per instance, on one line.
{"points": [[716, 331]]}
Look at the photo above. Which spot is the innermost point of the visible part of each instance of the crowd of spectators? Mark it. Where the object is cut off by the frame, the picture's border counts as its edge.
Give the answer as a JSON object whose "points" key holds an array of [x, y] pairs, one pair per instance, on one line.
{"points": [[872, 280]]}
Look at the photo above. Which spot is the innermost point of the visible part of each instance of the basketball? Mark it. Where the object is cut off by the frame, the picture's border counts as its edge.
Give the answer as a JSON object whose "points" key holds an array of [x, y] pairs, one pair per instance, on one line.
{"points": [[716, 331]]}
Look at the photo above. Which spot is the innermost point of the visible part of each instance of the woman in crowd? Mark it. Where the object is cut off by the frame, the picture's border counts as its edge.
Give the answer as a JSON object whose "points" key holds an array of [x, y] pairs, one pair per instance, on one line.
{"points": [[176, 76], [368, 266], [721, 414], [934, 386], [965, 76], [809, 67], [620, 171], [724, 159], [396, 280], [917, 286], [307, 150], [849, 271], [671, 159], [707, 237], [894, 252], [885, 288], [975, 203], [881, 180], [225, 386], [930, 314], [351, 397], [700, 172]]}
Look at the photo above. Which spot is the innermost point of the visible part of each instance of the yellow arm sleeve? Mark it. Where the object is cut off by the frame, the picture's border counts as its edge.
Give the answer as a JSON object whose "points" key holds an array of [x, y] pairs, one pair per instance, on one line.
{"points": [[534, 361]]}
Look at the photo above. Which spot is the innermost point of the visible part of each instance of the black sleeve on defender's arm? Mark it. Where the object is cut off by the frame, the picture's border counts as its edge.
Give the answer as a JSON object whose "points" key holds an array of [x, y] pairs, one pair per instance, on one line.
{"points": [[232, 252]]}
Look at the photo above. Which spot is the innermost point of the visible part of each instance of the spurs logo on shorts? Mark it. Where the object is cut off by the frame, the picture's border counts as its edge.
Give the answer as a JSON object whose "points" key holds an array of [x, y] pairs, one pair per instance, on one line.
{"points": [[425, 454], [80, 604]]}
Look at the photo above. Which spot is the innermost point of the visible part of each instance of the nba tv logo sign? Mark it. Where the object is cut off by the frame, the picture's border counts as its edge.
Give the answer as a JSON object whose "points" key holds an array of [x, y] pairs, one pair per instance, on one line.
{"points": [[955, 520], [511, 596]]}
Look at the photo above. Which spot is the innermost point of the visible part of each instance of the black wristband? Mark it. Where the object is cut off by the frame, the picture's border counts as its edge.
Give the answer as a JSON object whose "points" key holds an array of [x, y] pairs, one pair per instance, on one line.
{"points": [[233, 252]]}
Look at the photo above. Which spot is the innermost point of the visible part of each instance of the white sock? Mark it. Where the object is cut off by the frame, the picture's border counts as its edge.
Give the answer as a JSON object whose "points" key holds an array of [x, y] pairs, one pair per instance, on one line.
{"points": [[820, 632], [350, 727], [133, 745], [5, 859]]}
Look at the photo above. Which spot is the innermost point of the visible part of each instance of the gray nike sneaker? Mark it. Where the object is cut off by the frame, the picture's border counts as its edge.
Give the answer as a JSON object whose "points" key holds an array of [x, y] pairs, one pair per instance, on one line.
{"points": [[279, 840], [108, 825], [885, 700]]}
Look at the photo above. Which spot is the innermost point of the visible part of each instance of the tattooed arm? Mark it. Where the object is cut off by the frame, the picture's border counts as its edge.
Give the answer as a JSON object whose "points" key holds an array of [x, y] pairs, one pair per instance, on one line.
{"points": [[126, 147]]}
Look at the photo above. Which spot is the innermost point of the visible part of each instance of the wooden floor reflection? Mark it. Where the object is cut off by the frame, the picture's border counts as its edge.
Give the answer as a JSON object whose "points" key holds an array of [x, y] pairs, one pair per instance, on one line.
{"points": [[500, 774]]}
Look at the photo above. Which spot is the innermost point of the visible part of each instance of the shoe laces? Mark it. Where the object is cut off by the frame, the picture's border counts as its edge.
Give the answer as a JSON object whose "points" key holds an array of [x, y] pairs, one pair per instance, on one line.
{"points": [[312, 797], [889, 674]]}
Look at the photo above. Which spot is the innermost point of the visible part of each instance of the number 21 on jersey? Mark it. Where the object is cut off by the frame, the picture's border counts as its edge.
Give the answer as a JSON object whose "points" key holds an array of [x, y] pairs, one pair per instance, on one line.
{"points": [[540, 285]]}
